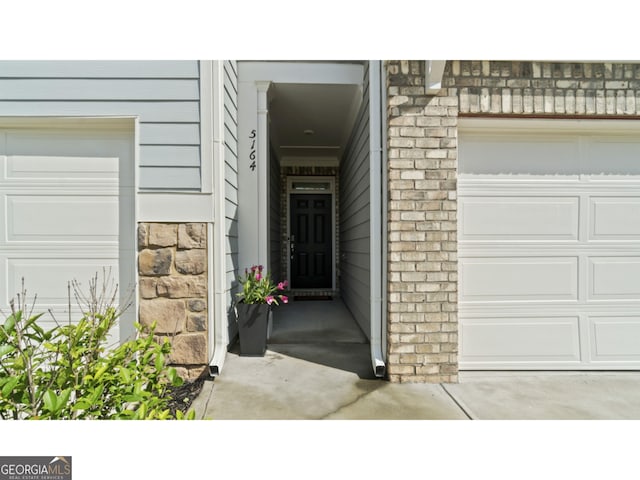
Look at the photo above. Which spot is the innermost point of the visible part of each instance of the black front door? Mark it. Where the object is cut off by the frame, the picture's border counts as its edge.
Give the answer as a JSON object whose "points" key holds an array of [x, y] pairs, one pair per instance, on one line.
{"points": [[311, 249]]}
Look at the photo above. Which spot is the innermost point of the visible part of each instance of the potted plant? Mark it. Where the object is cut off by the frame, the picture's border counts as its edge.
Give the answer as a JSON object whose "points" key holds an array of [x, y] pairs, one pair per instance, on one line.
{"points": [[253, 309]]}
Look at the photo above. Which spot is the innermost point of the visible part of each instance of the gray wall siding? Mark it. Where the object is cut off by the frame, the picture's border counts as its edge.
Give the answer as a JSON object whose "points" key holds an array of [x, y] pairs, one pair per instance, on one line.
{"points": [[354, 219], [231, 182], [275, 255], [164, 94]]}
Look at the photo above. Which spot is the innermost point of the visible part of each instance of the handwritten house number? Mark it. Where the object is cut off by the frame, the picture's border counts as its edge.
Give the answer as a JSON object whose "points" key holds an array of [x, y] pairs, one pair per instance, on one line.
{"points": [[252, 150]]}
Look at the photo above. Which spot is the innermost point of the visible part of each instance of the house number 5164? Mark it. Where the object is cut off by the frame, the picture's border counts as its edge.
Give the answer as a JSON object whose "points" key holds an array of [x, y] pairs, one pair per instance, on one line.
{"points": [[252, 150]]}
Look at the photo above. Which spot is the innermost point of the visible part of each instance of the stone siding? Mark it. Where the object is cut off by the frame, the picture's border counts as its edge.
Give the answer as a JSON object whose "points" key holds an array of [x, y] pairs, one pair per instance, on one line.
{"points": [[172, 267]]}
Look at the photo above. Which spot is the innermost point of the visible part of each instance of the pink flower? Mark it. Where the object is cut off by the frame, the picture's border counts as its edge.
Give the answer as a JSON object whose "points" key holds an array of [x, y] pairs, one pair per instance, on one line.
{"points": [[270, 299], [260, 268], [282, 285], [284, 299], [258, 277]]}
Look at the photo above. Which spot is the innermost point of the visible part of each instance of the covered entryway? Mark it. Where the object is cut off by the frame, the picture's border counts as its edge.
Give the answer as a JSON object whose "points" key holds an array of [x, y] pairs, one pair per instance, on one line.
{"points": [[310, 183], [66, 210], [549, 244]]}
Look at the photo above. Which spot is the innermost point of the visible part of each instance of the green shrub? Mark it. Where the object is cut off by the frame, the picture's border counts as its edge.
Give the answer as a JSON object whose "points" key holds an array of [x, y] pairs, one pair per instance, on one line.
{"points": [[69, 372]]}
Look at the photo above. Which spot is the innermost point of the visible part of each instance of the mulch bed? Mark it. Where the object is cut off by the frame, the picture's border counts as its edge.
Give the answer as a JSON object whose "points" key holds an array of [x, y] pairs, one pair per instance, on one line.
{"points": [[183, 396]]}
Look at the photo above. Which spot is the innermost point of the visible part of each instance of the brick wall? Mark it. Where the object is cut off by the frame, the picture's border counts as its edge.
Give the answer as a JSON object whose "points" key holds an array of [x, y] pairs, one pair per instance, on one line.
{"points": [[545, 88], [422, 275], [422, 150], [172, 267]]}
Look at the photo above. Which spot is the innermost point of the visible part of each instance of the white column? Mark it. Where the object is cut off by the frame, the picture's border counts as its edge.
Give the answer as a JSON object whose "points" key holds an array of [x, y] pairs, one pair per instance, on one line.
{"points": [[253, 174], [263, 174]]}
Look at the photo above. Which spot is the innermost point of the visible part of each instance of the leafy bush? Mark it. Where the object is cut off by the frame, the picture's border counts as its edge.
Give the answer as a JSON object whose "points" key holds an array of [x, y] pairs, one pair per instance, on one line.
{"points": [[69, 372]]}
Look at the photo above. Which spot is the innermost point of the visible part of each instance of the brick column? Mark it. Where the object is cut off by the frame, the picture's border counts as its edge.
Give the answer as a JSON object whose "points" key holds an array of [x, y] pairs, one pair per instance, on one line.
{"points": [[422, 248]]}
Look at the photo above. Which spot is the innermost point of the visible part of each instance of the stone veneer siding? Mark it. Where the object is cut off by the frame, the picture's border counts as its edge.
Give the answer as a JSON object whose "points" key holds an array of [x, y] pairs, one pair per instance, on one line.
{"points": [[172, 267], [422, 151]]}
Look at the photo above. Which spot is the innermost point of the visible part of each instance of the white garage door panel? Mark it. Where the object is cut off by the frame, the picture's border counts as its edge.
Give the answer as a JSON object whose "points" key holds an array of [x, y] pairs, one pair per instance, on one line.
{"points": [[60, 168], [48, 277], [615, 338], [615, 278], [511, 279], [53, 218], [612, 157], [520, 340], [615, 218], [549, 245], [519, 218], [536, 156], [65, 142], [66, 211]]}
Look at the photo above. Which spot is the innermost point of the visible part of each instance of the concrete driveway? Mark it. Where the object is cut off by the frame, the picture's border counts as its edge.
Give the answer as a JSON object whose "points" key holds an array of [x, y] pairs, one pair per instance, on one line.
{"points": [[283, 385], [318, 366]]}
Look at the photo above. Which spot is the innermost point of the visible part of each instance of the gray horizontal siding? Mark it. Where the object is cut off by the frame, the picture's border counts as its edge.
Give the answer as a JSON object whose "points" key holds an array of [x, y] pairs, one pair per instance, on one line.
{"points": [[170, 155], [99, 69], [231, 183], [148, 111], [274, 219], [170, 134], [99, 89], [170, 178], [355, 283], [164, 95]]}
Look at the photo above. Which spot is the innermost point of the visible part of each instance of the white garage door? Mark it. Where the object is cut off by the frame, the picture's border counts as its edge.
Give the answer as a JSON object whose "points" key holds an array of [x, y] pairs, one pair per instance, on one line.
{"points": [[66, 210], [549, 245]]}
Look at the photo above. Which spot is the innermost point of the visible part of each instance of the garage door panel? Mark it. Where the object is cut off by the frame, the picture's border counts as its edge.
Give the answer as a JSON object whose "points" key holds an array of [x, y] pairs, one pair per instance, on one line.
{"points": [[104, 149], [615, 338], [61, 168], [520, 339], [510, 218], [614, 278], [47, 277], [67, 211], [56, 218], [611, 157], [549, 233], [519, 279], [615, 218], [536, 156]]}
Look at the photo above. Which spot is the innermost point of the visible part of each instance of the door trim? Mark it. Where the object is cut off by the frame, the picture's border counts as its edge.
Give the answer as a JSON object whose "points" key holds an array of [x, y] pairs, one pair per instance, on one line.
{"points": [[331, 191]]}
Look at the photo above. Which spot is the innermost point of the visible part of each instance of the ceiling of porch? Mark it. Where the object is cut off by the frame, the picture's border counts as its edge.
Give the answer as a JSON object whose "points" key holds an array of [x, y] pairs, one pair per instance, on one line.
{"points": [[312, 123]]}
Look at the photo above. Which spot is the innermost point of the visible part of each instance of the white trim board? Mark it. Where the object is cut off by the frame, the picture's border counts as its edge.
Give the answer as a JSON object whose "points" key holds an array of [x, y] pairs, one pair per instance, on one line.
{"points": [[470, 125], [302, 72], [175, 207]]}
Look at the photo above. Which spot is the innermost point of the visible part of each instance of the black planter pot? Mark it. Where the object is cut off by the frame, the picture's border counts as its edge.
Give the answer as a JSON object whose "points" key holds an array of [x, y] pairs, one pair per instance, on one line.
{"points": [[252, 328]]}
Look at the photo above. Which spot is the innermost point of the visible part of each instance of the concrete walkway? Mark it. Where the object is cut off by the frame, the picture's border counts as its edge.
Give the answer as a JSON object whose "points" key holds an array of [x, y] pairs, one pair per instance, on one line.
{"points": [[317, 367]]}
